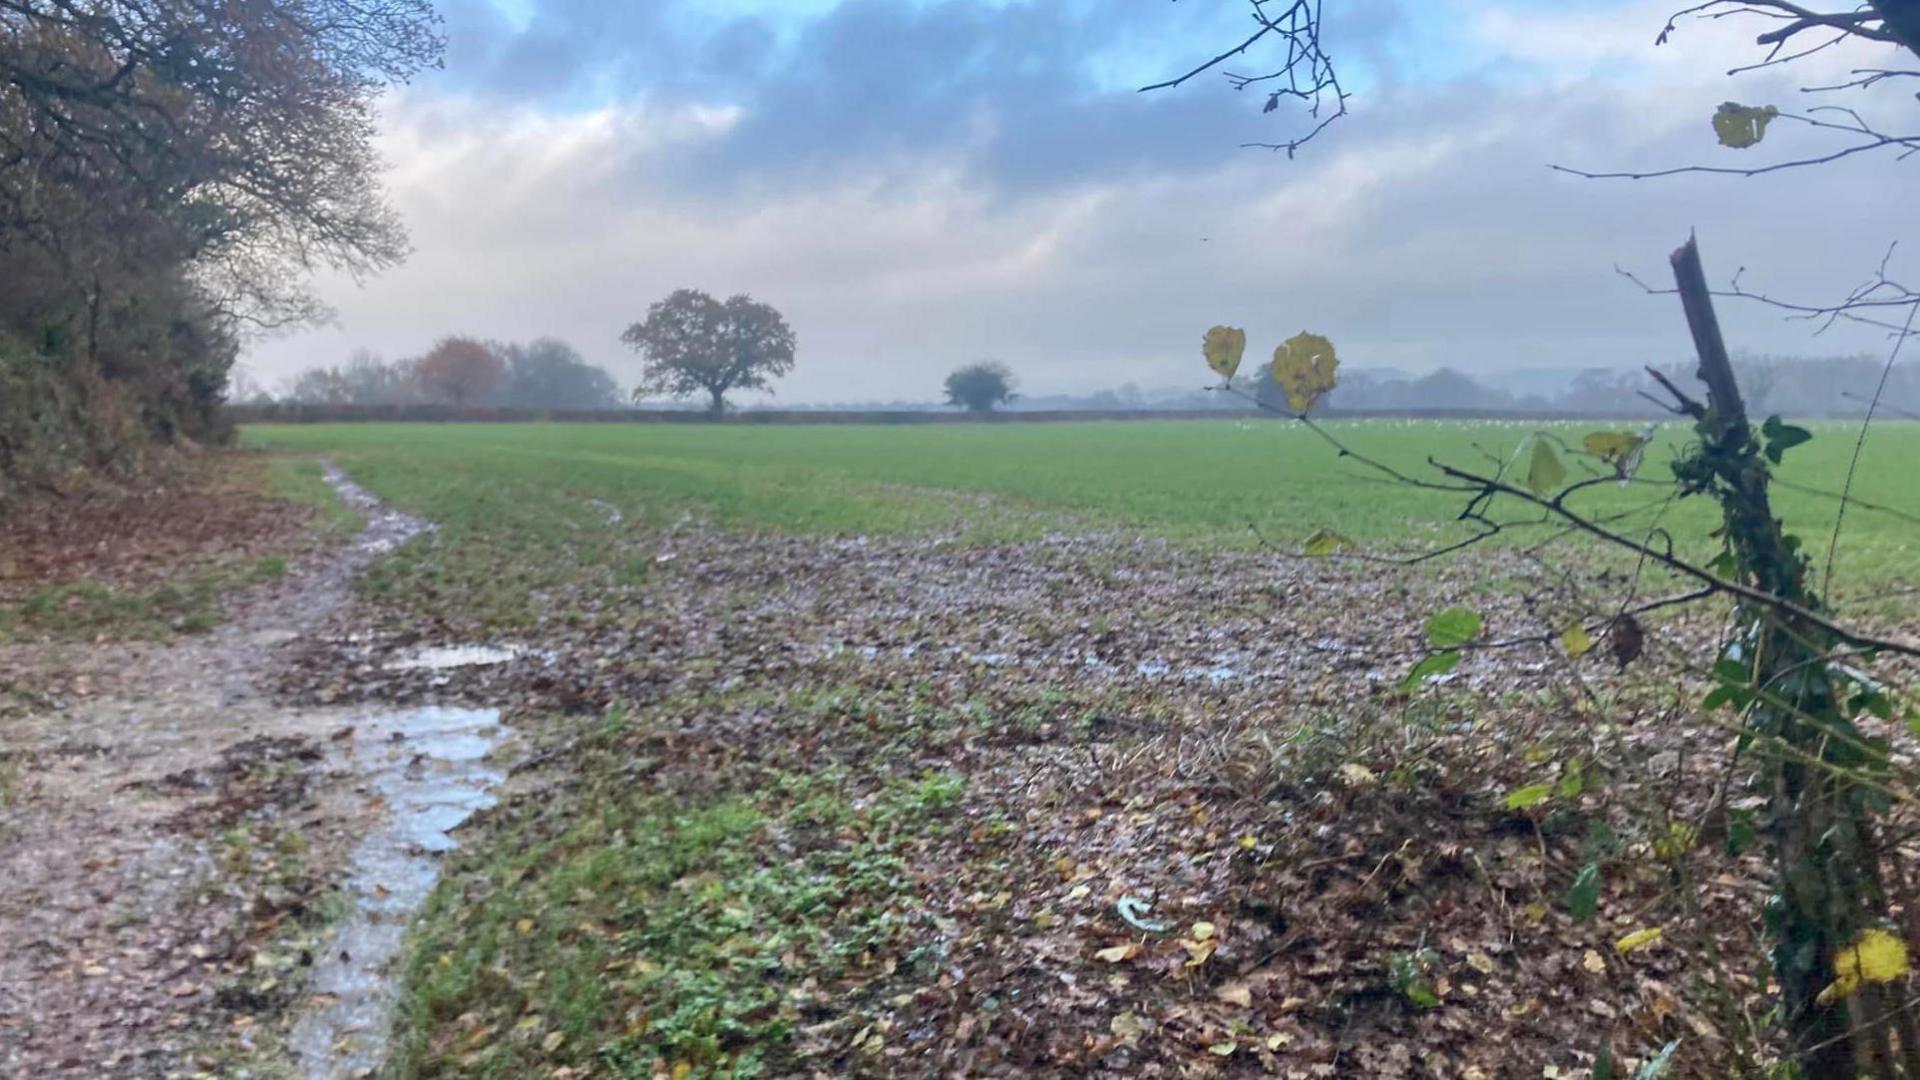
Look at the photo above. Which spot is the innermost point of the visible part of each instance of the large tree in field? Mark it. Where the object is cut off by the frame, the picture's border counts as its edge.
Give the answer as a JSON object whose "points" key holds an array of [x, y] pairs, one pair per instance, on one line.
{"points": [[694, 344], [459, 371], [979, 387]]}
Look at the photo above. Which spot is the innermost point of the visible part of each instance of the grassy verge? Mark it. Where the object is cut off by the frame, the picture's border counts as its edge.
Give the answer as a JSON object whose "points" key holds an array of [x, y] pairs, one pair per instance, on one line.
{"points": [[653, 928], [160, 562]]}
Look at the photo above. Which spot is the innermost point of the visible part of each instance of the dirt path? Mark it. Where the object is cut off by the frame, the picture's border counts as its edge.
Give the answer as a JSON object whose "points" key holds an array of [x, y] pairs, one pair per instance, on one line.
{"points": [[170, 825]]}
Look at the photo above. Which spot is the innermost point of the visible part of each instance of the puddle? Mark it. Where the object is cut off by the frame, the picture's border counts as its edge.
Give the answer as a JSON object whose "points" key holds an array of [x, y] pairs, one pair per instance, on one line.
{"points": [[386, 528], [427, 766], [445, 657]]}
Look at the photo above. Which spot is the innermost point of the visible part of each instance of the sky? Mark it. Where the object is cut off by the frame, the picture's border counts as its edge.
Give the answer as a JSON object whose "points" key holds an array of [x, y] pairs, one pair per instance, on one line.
{"points": [[918, 185]]}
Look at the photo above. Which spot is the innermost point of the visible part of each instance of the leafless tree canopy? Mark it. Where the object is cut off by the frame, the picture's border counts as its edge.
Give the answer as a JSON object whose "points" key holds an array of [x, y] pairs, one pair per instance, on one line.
{"points": [[171, 170], [1290, 64]]}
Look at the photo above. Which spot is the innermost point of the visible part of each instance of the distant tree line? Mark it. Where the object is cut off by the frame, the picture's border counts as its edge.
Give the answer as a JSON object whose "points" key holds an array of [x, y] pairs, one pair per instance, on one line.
{"points": [[1796, 386], [545, 374], [1790, 385], [170, 172]]}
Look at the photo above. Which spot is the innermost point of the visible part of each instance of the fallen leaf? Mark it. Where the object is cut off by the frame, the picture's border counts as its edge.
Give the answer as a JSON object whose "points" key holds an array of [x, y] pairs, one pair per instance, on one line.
{"points": [[1639, 939], [1116, 953]]}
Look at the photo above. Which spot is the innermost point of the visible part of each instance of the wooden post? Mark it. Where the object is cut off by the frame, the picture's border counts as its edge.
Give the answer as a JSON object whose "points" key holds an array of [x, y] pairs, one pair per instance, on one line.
{"points": [[1825, 855], [1716, 369]]}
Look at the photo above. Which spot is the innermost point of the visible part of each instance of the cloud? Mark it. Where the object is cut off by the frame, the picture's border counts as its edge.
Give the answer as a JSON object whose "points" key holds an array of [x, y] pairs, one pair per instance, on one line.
{"points": [[921, 185]]}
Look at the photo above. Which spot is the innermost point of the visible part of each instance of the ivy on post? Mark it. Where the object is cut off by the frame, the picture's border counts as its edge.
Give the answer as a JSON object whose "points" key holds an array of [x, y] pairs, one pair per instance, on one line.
{"points": [[1828, 886]]}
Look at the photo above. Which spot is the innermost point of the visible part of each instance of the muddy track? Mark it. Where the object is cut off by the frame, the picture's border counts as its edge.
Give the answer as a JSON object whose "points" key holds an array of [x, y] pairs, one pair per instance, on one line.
{"points": [[137, 908]]}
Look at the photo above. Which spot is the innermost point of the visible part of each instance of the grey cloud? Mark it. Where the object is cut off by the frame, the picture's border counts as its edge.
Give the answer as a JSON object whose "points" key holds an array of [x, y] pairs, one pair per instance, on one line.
{"points": [[1086, 238]]}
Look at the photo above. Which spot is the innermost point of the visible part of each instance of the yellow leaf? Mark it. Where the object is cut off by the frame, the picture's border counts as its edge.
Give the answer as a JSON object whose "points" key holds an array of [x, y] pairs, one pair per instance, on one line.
{"points": [[1117, 953], [1325, 542], [1304, 367], [1249, 841], [1639, 939], [1740, 126], [525, 926], [1235, 993], [1594, 963], [1278, 1040], [1078, 892], [1679, 840], [1126, 1027], [1222, 1049], [1480, 962], [552, 1041], [1576, 641], [1223, 347], [1876, 956], [1612, 445], [1198, 952], [1535, 912], [1357, 775], [682, 1070], [1545, 474], [1202, 931]]}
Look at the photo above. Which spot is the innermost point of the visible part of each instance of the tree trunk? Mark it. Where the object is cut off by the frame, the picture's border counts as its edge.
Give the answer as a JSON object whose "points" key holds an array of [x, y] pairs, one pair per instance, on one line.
{"points": [[719, 404], [1828, 878]]}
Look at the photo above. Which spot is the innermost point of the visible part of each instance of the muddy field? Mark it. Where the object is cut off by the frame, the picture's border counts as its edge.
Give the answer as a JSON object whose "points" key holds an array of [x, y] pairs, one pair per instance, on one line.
{"points": [[747, 803]]}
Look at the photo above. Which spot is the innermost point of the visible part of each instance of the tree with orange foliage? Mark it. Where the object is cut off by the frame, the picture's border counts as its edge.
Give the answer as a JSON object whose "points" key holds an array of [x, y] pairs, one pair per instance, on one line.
{"points": [[459, 371]]}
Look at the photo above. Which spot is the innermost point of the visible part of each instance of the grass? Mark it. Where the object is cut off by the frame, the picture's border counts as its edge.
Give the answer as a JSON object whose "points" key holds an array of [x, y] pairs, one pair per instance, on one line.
{"points": [[538, 486], [677, 933]]}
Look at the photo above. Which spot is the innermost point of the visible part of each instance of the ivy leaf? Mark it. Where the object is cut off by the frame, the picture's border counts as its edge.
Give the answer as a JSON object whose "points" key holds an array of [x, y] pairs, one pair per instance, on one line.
{"points": [[1531, 795], [1304, 366], [1438, 664], [1224, 345], [1583, 899], [1741, 126], [1327, 542], [1782, 437], [1545, 474], [1576, 641], [1740, 832], [1453, 627]]}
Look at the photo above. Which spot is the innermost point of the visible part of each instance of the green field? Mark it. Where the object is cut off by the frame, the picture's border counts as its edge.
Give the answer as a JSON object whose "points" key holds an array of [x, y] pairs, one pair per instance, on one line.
{"points": [[1205, 482]]}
